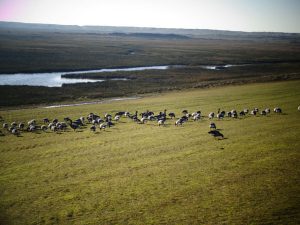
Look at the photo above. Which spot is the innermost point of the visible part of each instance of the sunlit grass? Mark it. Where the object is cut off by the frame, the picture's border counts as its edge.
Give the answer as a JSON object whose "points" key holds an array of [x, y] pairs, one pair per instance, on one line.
{"points": [[145, 174]]}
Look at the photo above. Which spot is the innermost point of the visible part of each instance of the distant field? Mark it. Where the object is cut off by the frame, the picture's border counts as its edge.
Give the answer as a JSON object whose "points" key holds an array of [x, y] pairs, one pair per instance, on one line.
{"points": [[145, 174], [22, 51], [45, 48]]}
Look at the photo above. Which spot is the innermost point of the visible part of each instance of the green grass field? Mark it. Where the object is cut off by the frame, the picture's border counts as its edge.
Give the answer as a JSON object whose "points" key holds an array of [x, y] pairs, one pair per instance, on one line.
{"points": [[146, 174]]}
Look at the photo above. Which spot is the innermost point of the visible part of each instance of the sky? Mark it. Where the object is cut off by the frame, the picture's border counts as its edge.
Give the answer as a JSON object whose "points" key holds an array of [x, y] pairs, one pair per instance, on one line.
{"points": [[238, 15]]}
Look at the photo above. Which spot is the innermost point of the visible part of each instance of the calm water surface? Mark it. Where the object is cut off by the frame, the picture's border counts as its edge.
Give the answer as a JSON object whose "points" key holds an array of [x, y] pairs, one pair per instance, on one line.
{"points": [[55, 80]]}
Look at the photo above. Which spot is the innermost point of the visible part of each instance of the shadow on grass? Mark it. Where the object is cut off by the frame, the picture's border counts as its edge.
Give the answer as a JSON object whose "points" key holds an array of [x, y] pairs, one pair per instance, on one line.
{"points": [[217, 134], [283, 114]]}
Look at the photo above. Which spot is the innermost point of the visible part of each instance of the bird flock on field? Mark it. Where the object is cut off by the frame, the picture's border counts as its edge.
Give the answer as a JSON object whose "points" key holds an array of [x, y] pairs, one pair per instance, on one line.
{"points": [[94, 121]]}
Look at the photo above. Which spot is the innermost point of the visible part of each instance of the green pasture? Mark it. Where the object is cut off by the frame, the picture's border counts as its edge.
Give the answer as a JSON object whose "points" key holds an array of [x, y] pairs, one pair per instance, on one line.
{"points": [[145, 174]]}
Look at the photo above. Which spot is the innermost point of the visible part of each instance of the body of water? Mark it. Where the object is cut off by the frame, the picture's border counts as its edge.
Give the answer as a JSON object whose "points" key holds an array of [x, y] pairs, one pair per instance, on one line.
{"points": [[40, 79], [218, 67], [55, 80]]}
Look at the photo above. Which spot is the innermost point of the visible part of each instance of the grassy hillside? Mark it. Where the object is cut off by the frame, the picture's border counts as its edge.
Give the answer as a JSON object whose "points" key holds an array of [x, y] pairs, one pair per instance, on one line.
{"points": [[145, 174]]}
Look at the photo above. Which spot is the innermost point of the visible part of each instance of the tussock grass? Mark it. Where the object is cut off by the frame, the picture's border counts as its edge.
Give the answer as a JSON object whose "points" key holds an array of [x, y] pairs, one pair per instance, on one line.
{"points": [[145, 174]]}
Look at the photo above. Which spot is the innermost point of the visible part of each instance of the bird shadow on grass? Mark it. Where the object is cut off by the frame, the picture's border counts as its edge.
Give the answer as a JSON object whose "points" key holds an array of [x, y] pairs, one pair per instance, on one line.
{"points": [[217, 134], [282, 114]]}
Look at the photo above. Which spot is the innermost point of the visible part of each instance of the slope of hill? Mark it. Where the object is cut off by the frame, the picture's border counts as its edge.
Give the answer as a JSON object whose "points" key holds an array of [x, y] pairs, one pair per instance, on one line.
{"points": [[148, 174]]}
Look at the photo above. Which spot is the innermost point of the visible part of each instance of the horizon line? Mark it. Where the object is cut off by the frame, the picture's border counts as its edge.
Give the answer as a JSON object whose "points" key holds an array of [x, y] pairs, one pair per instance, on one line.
{"points": [[149, 27]]}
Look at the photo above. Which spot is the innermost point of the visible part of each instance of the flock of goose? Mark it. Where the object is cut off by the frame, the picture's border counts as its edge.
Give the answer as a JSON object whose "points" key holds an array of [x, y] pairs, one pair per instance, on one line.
{"points": [[95, 121]]}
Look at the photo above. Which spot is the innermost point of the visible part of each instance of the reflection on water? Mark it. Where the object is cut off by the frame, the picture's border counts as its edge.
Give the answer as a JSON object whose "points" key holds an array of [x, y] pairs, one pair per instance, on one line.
{"points": [[40, 79], [217, 67], [55, 79]]}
